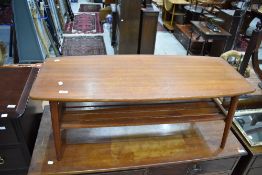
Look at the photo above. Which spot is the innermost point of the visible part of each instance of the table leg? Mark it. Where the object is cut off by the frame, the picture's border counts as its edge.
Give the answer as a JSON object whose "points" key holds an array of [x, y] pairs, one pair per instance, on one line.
{"points": [[189, 44], [55, 109], [203, 48], [229, 119]]}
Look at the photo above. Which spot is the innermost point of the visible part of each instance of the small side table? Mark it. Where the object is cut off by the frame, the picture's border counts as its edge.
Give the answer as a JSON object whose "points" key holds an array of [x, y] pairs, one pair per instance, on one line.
{"points": [[201, 28]]}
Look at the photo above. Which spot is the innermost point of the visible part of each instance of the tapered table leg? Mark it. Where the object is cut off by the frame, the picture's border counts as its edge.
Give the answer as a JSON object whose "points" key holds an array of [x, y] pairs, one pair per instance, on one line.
{"points": [[55, 109], [229, 119]]}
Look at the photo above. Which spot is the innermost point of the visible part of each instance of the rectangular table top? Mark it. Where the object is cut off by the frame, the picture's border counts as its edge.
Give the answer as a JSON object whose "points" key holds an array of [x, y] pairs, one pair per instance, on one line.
{"points": [[201, 26], [134, 78]]}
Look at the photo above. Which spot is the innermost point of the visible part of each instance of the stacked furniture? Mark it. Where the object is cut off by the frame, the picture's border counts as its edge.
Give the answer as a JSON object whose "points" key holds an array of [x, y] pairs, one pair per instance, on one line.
{"points": [[19, 119], [215, 44], [130, 21]]}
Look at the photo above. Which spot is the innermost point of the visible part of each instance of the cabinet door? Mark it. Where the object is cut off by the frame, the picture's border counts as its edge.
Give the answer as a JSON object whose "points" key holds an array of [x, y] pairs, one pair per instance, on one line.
{"points": [[7, 133], [11, 159]]}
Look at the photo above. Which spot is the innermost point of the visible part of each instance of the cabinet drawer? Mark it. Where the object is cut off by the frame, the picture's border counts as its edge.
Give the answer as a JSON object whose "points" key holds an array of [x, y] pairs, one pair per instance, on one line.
{"points": [[12, 158], [255, 171], [203, 167], [131, 172], [258, 162], [7, 132]]}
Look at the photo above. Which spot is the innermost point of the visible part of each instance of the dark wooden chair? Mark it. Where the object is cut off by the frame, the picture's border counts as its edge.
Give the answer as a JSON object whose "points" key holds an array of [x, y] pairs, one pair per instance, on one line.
{"points": [[252, 53]]}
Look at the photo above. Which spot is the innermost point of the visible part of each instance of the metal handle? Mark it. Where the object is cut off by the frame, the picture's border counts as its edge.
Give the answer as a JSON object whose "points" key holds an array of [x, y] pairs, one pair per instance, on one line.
{"points": [[196, 169], [2, 161]]}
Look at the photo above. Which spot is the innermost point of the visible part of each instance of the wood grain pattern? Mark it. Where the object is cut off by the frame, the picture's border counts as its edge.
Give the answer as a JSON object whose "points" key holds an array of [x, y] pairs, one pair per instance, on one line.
{"points": [[126, 148], [137, 78], [146, 114], [205, 32]]}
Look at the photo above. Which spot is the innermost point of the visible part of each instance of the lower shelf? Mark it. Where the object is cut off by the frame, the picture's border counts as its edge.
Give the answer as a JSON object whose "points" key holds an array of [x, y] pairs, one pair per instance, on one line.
{"points": [[81, 116]]}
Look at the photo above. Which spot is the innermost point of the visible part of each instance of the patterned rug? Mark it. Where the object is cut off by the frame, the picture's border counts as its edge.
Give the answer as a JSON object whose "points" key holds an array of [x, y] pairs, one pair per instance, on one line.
{"points": [[84, 23], [83, 45], [89, 8]]}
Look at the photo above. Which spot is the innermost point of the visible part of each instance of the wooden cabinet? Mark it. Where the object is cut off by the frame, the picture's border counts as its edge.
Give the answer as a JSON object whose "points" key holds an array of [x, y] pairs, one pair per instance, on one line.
{"points": [[127, 28], [134, 27], [18, 119], [148, 29]]}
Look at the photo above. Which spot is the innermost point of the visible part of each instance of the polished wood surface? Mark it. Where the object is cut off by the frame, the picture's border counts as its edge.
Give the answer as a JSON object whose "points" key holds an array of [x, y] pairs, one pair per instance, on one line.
{"points": [[143, 114], [201, 28], [137, 78], [19, 119], [126, 148]]}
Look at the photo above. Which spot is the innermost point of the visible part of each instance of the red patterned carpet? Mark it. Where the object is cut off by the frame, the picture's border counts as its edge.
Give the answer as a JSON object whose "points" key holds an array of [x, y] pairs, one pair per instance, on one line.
{"points": [[84, 23], [83, 45], [89, 8]]}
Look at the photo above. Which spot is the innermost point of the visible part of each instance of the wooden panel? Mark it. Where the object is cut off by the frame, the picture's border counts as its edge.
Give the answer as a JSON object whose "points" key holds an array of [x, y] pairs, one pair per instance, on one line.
{"points": [[15, 89], [258, 162], [148, 29], [255, 171], [128, 24], [132, 172], [140, 114], [100, 150], [7, 133], [204, 167], [137, 78], [12, 158]]}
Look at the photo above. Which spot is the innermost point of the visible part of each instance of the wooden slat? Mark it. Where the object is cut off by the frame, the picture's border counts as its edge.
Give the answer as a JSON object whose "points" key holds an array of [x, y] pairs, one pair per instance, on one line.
{"points": [[129, 78], [141, 115], [141, 107], [138, 121]]}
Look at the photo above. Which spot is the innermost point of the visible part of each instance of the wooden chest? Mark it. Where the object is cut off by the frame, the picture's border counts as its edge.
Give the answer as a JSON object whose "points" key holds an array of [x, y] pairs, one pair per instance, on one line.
{"points": [[18, 119], [169, 149]]}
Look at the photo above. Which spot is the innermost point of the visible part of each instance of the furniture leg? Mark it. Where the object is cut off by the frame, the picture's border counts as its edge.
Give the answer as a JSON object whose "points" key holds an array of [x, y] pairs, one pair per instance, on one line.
{"points": [[229, 118], [203, 48], [173, 14], [11, 41], [55, 109], [189, 44]]}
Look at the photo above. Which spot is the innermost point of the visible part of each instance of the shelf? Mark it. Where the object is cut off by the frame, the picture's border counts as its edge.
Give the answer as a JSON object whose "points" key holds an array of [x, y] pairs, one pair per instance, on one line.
{"points": [[141, 114]]}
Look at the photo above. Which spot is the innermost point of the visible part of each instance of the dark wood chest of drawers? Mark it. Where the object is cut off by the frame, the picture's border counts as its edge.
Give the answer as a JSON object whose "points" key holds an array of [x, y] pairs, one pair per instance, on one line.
{"points": [[19, 121]]}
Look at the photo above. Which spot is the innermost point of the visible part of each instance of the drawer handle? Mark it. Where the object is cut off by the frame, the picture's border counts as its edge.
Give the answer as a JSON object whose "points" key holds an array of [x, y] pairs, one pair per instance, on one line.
{"points": [[2, 128], [2, 161], [196, 169]]}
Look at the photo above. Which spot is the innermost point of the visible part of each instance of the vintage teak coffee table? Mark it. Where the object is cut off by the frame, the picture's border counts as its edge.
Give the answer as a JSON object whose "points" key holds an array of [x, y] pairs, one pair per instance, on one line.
{"points": [[136, 90]]}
